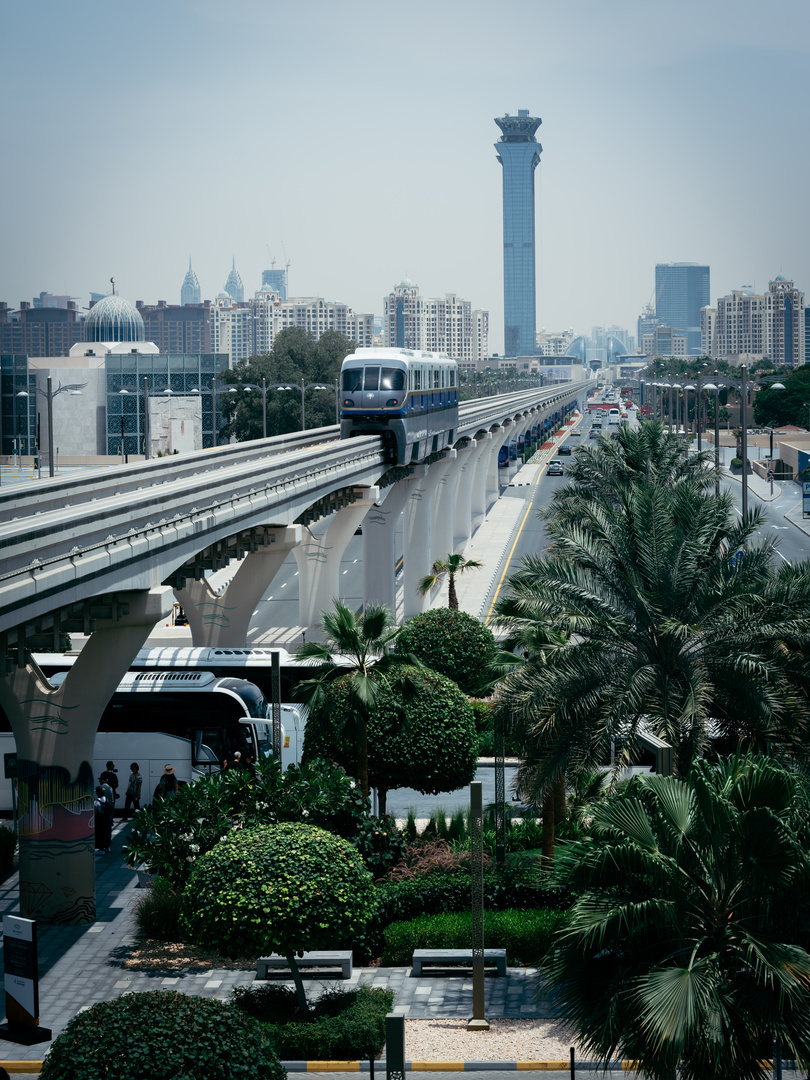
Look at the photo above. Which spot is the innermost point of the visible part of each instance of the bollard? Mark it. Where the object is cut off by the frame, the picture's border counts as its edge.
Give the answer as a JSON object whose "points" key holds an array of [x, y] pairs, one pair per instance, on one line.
{"points": [[394, 1047]]}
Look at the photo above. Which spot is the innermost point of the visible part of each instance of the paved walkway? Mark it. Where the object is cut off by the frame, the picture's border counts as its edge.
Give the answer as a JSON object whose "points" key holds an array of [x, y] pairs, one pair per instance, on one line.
{"points": [[79, 966]]}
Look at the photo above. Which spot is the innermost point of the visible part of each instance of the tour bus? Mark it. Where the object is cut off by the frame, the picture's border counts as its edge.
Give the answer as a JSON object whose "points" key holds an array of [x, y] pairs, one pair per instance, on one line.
{"points": [[191, 720]]}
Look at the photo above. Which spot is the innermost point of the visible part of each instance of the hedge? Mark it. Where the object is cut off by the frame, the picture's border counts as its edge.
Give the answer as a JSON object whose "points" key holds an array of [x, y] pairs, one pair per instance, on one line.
{"points": [[526, 935], [515, 886], [345, 1025], [162, 1035], [451, 642]]}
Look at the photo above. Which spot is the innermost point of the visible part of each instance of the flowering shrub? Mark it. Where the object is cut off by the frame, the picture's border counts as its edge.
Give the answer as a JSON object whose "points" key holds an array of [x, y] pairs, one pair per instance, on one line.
{"points": [[169, 836], [380, 843]]}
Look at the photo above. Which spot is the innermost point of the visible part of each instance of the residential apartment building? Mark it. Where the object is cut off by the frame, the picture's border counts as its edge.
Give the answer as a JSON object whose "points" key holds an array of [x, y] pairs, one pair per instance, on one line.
{"points": [[246, 329], [177, 328], [748, 325], [665, 341], [448, 325], [39, 331]]}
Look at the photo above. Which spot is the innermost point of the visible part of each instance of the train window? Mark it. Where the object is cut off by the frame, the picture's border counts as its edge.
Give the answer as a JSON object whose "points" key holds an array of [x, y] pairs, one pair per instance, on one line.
{"points": [[436, 378], [392, 379], [372, 378], [352, 379]]}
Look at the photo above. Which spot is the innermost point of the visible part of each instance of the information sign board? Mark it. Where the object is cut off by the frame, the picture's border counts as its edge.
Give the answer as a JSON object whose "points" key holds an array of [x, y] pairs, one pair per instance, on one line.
{"points": [[806, 498], [21, 982]]}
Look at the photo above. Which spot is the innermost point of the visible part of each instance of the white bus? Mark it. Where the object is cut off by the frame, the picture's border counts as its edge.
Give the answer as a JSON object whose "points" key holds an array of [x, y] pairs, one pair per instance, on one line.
{"points": [[192, 720]]}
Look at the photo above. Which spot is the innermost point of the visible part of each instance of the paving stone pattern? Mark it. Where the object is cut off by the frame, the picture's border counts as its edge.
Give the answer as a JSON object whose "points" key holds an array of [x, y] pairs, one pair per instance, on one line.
{"points": [[81, 965]]}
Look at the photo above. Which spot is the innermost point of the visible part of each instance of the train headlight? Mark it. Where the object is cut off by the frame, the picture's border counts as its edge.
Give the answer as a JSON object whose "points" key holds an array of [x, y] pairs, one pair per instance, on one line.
{"points": [[348, 403], [391, 401]]}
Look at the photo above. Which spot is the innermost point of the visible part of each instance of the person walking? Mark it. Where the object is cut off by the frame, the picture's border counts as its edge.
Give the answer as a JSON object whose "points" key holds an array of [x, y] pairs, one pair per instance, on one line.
{"points": [[132, 796], [110, 778]]}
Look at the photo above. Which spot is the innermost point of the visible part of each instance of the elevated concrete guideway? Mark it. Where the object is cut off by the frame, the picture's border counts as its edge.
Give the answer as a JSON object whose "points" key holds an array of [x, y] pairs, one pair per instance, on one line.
{"points": [[101, 553], [133, 527]]}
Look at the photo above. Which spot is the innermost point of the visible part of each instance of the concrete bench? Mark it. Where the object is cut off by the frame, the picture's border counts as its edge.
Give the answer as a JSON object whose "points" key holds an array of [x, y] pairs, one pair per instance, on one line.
{"points": [[341, 959], [444, 957]]}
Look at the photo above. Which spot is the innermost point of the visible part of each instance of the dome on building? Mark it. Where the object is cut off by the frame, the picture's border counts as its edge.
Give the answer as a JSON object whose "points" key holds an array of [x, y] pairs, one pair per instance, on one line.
{"points": [[114, 319]]}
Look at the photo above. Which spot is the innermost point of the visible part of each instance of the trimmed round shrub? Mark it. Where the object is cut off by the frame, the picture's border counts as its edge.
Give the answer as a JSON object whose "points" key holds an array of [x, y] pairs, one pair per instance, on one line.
{"points": [[162, 1035], [280, 888], [424, 740], [451, 642]]}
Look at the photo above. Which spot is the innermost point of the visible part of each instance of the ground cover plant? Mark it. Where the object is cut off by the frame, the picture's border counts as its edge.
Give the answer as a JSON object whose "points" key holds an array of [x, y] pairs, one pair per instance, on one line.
{"points": [[282, 888], [342, 1025], [162, 1035]]}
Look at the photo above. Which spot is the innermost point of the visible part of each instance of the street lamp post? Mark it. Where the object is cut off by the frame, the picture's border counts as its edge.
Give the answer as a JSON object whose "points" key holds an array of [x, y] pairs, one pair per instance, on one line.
{"points": [[49, 394], [716, 387]]}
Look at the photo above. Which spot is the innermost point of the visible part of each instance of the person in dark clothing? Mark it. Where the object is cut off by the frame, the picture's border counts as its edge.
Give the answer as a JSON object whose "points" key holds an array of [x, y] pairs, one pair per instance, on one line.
{"points": [[167, 785], [103, 820], [110, 778]]}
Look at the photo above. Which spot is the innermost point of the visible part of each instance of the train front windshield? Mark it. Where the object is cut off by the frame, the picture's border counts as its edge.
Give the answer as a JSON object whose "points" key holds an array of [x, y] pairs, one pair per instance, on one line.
{"points": [[376, 378]]}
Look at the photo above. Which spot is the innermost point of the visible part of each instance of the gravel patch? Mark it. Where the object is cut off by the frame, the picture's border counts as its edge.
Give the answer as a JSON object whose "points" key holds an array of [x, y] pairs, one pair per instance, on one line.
{"points": [[506, 1040]]}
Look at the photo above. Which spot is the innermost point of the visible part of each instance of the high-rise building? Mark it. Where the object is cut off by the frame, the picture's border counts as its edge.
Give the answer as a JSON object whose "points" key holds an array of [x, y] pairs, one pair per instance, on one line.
{"points": [[276, 280], [749, 325], [233, 286], [190, 292], [681, 290], [665, 341], [447, 325], [519, 153], [177, 328], [39, 331], [246, 329]]}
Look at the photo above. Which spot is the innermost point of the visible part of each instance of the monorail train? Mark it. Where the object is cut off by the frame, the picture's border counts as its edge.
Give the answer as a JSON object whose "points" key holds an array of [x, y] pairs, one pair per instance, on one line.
{"points": [[408, 397]]}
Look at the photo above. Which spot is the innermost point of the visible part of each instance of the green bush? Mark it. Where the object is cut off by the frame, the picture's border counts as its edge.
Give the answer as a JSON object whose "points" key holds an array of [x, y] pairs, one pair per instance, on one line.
{"points": [[158, 912], [344, 1025], [282, 888], [526, 935], [451, 642], [162, 1035], [170, 835], [424, 739], [8, 846], [380, 843]]}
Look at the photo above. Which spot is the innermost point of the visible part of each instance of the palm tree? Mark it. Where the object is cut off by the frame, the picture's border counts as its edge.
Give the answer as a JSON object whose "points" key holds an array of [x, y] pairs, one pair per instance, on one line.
{"points": [[686, 949], [451, 566], [645, 454], [673, 623], [358, 646]]}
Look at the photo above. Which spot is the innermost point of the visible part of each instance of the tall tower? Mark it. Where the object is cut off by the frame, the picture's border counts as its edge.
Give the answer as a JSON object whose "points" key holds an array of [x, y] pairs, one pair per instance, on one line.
{"points": [[519, 153], [190, 292], [233, 286], [681, 290]]}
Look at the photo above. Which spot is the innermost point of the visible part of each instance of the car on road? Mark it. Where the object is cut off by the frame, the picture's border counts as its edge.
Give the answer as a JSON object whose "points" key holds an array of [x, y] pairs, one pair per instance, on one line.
{"points": [[575, 434], [555, 468], [561, 450]]}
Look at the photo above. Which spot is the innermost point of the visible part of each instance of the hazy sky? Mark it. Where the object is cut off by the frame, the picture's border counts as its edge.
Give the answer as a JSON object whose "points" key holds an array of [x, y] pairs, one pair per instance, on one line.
{"points": [[360, 136]]}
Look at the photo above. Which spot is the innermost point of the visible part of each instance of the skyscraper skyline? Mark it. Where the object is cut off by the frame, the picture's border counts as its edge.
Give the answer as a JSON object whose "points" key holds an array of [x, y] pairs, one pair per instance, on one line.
{"points": [[519, 152]]}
